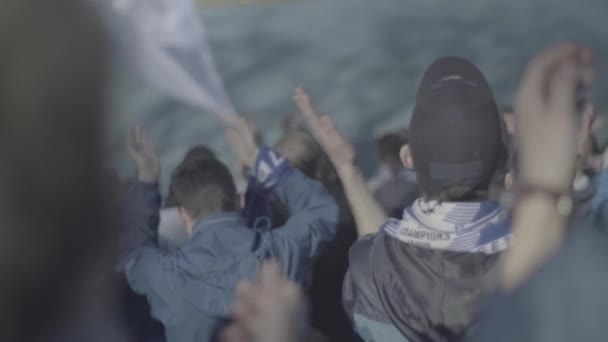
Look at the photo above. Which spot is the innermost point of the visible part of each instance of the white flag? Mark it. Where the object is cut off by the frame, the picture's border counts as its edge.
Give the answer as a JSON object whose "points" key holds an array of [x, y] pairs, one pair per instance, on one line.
{"points": [[167, 43]]}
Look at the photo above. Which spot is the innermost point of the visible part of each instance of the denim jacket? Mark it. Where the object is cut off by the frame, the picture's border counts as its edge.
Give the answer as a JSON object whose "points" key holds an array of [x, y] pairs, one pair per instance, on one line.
{"points": [[190, 290]]}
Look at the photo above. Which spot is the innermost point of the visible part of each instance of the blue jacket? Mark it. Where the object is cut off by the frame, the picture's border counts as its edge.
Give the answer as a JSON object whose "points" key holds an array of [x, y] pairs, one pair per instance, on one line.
{"points": [[191, 290]]}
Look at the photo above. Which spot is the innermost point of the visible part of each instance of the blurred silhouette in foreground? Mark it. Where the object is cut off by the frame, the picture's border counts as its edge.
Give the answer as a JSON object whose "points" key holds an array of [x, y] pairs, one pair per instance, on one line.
{"points": [[564, 299], [52, 62]]}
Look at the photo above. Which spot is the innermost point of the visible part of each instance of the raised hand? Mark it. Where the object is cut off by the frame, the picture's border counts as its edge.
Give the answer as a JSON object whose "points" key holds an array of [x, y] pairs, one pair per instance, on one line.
{"points": [[269, 310], [339, 150], [242, 139], [142, 150], [366, 210], [545, 108], [548, 145]]}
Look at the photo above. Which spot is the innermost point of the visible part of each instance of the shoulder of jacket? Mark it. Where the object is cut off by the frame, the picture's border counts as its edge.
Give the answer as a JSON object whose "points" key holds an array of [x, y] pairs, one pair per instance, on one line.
{"points": [[360, 254]]}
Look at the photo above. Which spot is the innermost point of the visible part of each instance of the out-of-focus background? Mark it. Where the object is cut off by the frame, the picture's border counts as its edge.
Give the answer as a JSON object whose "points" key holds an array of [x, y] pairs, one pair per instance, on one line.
{"points": [[360, 59]]}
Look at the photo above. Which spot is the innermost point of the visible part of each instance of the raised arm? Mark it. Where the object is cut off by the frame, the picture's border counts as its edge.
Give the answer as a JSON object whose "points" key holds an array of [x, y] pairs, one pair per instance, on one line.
{"points": [[141, 205], [546, 133], [368, 213], [149, 270], [313, 213]]}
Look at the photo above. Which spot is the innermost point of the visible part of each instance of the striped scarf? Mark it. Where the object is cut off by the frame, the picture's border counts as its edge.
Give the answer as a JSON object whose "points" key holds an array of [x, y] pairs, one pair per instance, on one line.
{"points": [[474, 227]]}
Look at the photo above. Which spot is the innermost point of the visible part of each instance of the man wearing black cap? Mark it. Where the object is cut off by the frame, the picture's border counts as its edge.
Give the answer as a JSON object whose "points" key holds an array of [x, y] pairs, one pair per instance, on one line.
{"points": [[423, 277]]}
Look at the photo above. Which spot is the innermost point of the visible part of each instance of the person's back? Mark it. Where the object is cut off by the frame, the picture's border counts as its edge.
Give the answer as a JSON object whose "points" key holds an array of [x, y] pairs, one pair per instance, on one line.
{"points": [[191, 290], [329, 266], [423, 277]]}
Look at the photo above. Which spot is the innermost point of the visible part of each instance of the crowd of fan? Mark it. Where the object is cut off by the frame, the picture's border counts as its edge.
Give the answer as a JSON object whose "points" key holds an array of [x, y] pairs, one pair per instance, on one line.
{"points": [[481, 224]]}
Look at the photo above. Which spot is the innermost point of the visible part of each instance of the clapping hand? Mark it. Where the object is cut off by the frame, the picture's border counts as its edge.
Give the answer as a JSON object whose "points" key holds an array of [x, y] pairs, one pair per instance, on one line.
{"points": [[548, 149], [339, 150], [366, 210], [142, 150], [545, 108]]}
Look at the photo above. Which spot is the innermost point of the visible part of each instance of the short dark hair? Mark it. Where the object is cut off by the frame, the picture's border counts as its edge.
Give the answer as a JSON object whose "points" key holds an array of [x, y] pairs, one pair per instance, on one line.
{"points": [[203, 187], [388, 147], [199, 151], [196, 152]]}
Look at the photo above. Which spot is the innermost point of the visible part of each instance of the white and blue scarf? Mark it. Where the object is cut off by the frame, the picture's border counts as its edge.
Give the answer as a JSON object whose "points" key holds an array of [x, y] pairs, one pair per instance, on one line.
{"points": [[476, 227]]}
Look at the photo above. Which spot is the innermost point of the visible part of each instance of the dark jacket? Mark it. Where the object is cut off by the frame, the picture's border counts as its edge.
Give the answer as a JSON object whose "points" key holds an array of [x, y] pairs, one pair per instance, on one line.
{"points": [[327, 315], [191, 290], [394, 291], [325, 292]]}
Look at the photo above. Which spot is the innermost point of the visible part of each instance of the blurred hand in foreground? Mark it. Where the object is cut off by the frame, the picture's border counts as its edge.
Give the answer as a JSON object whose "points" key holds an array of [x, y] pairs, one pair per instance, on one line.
{"points": [[548, 142], [585, 138], [545, 108], [271, 309], [242, 139], [142, 151], [339, 150]]}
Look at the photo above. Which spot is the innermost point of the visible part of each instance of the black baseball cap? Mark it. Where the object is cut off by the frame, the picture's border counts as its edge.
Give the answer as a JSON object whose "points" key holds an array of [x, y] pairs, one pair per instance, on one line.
{"points": [[455, 130]]}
